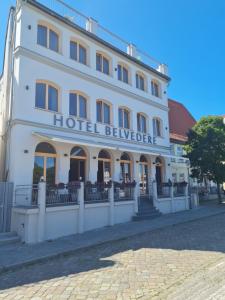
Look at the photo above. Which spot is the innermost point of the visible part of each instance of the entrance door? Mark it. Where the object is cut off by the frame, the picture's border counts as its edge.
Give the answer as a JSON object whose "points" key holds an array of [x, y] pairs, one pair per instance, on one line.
{"points": [[159, 179], [143, 176], [77, 170]]}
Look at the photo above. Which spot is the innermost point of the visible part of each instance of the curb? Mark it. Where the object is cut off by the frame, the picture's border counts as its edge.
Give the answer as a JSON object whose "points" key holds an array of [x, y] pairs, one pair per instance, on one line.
{"points": [[14, 267]]}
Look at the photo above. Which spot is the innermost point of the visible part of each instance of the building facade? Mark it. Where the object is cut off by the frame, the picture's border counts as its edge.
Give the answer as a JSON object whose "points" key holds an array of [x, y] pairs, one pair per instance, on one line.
{"points": [[76, 108], [180, 122]]}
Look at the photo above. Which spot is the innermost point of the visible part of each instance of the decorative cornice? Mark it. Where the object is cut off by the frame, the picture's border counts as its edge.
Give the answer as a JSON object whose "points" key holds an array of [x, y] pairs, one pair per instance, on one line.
{"points": [[55, 64]]}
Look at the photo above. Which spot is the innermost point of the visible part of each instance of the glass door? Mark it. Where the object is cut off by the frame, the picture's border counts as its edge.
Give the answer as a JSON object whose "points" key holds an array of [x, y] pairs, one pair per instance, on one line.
{"points": [[143, 177], [44, 166]]}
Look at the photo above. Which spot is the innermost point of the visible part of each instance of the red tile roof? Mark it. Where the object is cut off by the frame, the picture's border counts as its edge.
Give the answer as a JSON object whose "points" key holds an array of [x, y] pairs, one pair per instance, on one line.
{"points": [[180, 121]]}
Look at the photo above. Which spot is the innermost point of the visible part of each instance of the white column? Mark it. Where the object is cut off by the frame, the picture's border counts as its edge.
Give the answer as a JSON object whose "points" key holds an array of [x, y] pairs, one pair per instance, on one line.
{"points": [[155, 195], [63, 164], [116, 167], [186, 197], [136, 157], [42, 207], [168, 169], [93, 164], [172, 198], [111, 205], [81, 208], [131, 50], [92, 25]]}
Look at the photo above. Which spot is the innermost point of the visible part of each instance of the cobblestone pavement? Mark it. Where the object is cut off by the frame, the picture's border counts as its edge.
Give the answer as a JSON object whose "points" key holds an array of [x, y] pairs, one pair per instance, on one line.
{"points": [[185, 261]]}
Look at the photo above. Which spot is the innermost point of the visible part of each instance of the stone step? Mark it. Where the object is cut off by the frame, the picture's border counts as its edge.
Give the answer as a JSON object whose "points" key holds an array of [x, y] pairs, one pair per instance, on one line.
{"points": [[146, 217], [8, 238]]}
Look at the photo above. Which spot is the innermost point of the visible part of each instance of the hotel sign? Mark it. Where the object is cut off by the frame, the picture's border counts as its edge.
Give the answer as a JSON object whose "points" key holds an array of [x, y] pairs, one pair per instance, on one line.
{"points": [[103, 129]]}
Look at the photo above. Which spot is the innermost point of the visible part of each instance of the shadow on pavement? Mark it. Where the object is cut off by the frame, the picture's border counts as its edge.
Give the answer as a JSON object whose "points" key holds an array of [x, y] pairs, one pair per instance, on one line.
{"points": [[207, 234]]}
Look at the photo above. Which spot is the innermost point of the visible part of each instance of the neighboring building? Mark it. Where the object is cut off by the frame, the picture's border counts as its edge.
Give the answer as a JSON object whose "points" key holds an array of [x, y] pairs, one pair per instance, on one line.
{"points": [[76, 108], [180, 121]]}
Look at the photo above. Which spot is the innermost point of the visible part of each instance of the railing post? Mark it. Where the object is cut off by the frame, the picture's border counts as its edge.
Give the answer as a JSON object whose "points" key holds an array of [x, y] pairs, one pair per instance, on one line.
{"points": [[186, 197], [136, 196], [42, 208], [155, 195], [172, 197], [92, 26], [81, 208], [111, 205]]}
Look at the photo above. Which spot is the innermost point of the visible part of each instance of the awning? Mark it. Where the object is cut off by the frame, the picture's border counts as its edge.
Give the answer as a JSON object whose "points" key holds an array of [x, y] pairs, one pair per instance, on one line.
{"points": [[141, 151], [77, 141], [69, 140]]}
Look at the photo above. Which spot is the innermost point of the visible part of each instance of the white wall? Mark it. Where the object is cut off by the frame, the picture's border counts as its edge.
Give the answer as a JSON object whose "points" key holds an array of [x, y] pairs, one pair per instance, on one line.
{"points": [[63, 220]]}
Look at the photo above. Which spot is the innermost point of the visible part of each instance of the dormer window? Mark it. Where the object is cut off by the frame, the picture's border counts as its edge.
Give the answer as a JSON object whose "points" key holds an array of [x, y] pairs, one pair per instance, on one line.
{"points": [[47, 37], [122, 73], [155, 86], [78, 52], [140, 81], [102, 63]]}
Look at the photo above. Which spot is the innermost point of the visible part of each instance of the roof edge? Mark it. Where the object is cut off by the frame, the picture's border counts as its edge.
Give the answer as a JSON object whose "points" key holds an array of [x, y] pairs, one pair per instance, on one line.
{"points": [[95, 37]]}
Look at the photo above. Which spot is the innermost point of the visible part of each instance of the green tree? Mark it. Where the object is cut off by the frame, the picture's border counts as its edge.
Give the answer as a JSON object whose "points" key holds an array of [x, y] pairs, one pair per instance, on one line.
{"points": [[206, 150]]}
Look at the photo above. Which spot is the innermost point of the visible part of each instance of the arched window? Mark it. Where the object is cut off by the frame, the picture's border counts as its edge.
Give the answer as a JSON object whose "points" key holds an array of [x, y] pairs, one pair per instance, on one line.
{"points": [[157, 127], [124, 118], [143, 159], [78, 52], [103, 112], [125, 156], [140, 81], [104, 166], [123, 73], [44, 163], [141, 123], [155, 86], [103, 154], [78, 152], [102, 63], [46, 96], [48, 37], [77, 105], [125, 167], [77, 164]]}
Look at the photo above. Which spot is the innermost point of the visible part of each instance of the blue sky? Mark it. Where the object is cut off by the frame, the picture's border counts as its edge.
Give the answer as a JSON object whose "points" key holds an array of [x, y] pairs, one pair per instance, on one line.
{"points": [[187, 35]]}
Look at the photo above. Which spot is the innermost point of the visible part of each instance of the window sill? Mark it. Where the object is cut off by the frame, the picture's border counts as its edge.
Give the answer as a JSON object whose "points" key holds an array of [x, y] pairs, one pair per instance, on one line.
{"points": [[48, 110], [106, 124]]}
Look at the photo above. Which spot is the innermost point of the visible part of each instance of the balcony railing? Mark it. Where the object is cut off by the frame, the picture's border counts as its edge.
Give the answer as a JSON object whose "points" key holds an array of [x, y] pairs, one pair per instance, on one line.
{"points": [[62, 194], [124, 191], [96, 192], [75, 17]]}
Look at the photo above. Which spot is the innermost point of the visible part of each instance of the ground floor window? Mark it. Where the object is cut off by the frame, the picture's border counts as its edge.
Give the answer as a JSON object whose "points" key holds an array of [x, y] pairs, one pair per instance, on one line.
{"points": [[125, 167], [44, 163], [77, 164], [104, 167]]}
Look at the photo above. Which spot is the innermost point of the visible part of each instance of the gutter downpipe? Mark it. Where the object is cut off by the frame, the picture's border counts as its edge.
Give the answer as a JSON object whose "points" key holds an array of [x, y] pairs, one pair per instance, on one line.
{"points": [[12, 41]]}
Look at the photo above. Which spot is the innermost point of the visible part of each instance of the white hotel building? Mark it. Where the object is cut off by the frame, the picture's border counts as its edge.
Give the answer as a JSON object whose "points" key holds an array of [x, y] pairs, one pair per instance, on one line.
{"points": [[77, 108]]}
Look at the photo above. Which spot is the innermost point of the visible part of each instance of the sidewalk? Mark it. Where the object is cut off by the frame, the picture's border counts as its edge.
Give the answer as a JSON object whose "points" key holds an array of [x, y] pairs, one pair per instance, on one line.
{"points": [[18, 255]]}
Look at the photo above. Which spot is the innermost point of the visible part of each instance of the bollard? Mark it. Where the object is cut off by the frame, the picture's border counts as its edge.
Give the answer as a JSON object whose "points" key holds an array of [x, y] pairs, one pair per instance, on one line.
{"points": [[81, 208], [111, 205], [42, 208]]}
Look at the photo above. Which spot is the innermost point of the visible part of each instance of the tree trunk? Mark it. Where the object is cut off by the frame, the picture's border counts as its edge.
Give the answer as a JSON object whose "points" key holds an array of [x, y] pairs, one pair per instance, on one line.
{"points": [[219, 192]]}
